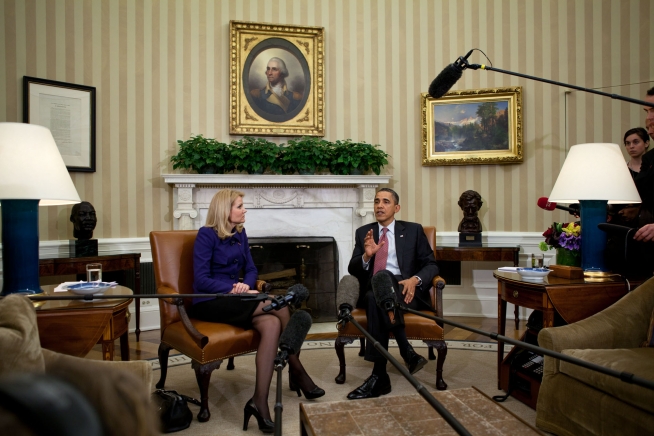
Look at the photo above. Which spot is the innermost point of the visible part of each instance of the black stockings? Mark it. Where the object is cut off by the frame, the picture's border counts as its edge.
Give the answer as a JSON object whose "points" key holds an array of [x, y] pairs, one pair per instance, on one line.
{"points": [[270, 325]]}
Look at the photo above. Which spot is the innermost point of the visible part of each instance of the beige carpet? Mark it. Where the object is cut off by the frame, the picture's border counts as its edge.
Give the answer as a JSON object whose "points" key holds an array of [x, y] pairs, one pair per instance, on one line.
{"points": [[467, 364]]}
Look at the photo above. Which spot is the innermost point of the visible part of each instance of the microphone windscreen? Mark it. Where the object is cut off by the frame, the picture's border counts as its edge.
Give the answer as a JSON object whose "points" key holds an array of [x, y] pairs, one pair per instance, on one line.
{"points": [[544, 203], [444, 81], [296, 330], [382, 287], [347, 291], [300, 291]]}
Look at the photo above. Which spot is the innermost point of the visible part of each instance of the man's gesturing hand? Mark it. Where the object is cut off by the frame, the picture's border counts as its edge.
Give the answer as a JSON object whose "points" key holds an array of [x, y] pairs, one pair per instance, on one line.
{"points": [[370, 246]]}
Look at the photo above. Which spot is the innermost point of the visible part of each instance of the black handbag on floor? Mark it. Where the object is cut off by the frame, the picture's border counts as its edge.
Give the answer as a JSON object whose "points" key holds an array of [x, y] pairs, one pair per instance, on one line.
{"points": [[172, 408]]}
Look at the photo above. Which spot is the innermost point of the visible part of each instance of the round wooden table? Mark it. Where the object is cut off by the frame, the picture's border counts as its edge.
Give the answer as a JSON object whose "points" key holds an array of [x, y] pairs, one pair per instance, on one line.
{"points": [[74, 326]]}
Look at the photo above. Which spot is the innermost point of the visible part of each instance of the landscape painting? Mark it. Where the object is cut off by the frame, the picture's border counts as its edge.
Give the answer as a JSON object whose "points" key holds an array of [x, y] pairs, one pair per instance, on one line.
{"points": [[473, 127]]}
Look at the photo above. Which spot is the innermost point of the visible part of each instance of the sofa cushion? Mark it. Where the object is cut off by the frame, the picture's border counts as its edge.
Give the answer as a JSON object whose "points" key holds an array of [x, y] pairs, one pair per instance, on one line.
{"points": [[638, 361], [19, 336]]}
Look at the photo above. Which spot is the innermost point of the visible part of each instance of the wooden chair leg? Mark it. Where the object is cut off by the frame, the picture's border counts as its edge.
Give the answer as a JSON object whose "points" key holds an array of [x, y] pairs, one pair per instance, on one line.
{"points": [[431, 354], [362, 350], [441, 349], [164, 351], [230, 364], [517, 317], [203, 377], [339, 346]]}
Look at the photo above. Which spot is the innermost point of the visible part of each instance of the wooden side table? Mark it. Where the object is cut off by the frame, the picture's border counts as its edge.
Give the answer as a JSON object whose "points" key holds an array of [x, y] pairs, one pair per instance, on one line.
{"points": [[111, 261], [485, 253], [74, 326], [573, 299]]}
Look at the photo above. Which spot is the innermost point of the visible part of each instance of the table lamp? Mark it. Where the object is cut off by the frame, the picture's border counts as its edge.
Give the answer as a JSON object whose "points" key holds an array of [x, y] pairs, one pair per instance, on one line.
{"points": [[594, 175], [32, 174]]}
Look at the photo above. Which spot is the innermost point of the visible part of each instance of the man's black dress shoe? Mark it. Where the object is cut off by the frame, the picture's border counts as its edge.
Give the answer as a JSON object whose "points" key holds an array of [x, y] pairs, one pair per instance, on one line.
{"points": [[373, 387], [414, 361]]}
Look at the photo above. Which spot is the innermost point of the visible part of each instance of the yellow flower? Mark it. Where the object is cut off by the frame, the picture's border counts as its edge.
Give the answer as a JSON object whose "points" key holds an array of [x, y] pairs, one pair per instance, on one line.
{"points": [[572, 229]]}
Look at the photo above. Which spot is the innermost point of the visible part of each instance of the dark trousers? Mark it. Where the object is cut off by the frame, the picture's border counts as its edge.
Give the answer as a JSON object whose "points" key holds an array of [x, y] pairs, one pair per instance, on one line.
{"points": [[379, 324]]}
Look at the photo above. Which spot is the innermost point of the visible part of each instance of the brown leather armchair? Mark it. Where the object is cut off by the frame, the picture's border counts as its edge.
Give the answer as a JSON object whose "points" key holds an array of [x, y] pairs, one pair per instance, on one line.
{"points": [[206, 343], [417, 327]]}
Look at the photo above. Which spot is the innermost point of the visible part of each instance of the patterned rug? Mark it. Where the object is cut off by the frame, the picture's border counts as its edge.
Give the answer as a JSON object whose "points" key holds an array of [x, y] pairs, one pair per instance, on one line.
{"points": [[468, 364]]}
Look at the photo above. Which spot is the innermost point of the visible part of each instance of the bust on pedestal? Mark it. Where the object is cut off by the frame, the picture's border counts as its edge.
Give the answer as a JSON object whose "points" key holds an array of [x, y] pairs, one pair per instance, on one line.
{"points": [[470, 226], [84, 220]]}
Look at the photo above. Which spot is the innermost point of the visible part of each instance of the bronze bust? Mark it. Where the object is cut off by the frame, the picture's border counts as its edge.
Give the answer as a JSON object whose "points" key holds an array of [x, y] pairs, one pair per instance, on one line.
{"points": [[470, 203], [84, 220]]}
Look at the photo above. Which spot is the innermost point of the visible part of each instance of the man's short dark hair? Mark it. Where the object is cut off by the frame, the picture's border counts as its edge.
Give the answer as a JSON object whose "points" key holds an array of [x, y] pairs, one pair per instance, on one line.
{"points": [[650, 91], [393, 193]]}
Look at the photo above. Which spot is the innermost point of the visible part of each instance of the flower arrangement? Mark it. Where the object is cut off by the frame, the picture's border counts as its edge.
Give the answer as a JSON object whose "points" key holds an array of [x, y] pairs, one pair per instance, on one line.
{"points": [[566, 239]]}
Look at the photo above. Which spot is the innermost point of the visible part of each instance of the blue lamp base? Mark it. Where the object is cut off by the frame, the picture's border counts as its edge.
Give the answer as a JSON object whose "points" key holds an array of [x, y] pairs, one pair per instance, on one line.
{"points": [[593, 240], [20, 246]]}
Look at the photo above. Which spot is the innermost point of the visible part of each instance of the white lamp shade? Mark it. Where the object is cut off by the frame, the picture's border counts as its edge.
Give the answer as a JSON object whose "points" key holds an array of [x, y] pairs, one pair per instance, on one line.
{"points": [[594, 172], [31, 166]]}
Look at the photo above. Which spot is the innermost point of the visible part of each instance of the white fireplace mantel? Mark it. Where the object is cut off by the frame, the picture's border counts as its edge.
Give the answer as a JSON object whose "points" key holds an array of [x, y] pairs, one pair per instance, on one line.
{"points": [[284, 205]]}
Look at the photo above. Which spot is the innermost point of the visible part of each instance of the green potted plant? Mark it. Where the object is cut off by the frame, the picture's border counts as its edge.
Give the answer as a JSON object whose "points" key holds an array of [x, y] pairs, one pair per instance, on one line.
{"points": [[356, 158], [305, 155], [255, 155], [203, 155]]}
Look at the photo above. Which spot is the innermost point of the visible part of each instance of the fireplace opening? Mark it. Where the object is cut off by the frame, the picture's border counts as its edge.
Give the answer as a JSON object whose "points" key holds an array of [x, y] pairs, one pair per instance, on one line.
{"points": [[311, 261]]}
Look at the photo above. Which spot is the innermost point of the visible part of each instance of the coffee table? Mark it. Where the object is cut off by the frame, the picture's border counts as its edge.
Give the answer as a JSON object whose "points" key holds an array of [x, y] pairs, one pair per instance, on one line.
{"points": [[411, 415], [74, 326]]}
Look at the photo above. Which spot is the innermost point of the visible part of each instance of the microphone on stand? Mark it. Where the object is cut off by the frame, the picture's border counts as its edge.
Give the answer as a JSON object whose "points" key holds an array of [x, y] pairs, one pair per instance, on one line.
{"points": [[544, 203], [294, 296], [293, 336], [290, 343], [347, 295], [382, 288]]}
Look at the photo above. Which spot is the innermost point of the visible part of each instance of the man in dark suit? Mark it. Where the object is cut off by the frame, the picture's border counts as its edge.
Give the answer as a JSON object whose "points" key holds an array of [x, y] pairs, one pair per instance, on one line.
{"points": [[401, 250]]}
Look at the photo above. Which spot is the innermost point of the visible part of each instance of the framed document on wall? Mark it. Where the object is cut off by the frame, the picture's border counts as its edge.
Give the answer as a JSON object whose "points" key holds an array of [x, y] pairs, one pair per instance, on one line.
{"points": [[68, 110], [276, 80]]}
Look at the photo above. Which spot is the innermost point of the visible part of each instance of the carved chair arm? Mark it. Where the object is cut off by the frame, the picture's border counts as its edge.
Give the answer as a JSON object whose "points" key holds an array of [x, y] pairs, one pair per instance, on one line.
{"points": [[167, 291], [263, 286], [200, 339], [438, 284]]}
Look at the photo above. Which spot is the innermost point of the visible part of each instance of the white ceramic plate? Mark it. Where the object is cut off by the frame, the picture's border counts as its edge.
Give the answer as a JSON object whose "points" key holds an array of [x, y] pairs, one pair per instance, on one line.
{"points": [[534, 273], [93, 288]]}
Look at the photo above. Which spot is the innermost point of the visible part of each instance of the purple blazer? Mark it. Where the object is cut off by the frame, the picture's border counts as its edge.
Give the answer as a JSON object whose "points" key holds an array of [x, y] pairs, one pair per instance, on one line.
{"points": [[217, 263]]}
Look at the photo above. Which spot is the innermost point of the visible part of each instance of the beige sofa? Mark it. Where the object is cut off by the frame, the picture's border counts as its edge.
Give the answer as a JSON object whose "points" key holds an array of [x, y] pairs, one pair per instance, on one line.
{"points": [[118, 391], [577, 401]]}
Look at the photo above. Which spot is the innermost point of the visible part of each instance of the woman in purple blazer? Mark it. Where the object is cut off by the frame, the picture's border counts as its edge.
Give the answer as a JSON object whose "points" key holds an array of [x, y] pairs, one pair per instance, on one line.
{"points": [[220, 253]]}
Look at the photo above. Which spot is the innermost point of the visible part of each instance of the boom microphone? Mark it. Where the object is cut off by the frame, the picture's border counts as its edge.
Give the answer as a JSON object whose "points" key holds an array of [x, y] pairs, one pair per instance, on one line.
{"points": [[295, 295], [544, 203], [347, 295], [448, 77]]}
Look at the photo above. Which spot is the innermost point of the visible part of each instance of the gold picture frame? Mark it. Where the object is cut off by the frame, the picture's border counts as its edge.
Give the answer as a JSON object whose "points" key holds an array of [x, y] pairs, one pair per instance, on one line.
{"points": [[479, 126], [294, 105]]}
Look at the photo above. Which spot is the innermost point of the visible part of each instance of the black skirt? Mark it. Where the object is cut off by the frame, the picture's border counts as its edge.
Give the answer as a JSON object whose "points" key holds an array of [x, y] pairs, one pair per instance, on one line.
{"points": [[231, 309]]}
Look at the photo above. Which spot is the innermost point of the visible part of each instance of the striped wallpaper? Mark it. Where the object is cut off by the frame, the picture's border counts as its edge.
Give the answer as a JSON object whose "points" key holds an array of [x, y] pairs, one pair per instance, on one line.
{"points": [[161, 73]]}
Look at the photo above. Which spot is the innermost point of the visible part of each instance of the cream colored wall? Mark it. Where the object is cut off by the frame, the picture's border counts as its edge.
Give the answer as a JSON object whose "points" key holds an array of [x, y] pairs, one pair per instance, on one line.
{"points": [[161, 73]]}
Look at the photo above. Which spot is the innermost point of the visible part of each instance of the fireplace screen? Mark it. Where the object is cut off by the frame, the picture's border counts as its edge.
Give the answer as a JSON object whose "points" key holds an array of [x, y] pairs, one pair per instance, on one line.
{"points": [[311, 261]]}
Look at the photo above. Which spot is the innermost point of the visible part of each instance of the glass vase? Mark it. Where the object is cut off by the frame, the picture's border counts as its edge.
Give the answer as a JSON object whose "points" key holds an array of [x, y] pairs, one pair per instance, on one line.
{"points": [[568, 257]]}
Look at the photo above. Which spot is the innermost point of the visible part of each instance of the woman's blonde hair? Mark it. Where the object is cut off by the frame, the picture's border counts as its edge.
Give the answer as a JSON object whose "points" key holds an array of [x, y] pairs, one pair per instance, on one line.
{"points": [[218, 214]]}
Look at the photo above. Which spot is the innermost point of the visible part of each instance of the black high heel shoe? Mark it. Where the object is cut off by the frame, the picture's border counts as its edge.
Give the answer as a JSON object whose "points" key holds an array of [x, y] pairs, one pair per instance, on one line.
{"points": [[265, 425], [309, 395]]}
